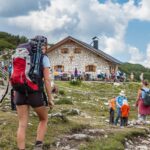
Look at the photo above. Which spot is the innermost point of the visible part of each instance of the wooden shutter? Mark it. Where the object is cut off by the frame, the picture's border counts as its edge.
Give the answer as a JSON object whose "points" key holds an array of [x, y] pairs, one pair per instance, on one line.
{"points": [[64, 50], [77, 50]]}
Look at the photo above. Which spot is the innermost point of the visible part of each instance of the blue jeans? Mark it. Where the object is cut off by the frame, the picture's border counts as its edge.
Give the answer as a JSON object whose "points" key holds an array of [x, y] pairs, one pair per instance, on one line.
{"points": [[118, 116]]}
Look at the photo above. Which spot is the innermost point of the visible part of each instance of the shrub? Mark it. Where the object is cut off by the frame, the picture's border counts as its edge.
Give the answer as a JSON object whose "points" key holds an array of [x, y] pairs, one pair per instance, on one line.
{"points": [[61, 92], [75, 82]]}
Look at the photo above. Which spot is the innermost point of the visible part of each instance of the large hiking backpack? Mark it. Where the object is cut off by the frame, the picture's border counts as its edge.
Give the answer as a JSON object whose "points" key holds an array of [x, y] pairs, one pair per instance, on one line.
{"points": [[146, 99], [26, 76]]}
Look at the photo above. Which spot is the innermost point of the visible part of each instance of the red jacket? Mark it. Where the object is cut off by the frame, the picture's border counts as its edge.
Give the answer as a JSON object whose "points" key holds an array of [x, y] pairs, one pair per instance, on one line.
{"points": [[125, 110]]}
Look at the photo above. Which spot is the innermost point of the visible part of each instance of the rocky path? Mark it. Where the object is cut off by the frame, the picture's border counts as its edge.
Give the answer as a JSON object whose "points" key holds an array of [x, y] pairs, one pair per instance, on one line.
{"points": [[74, 140], [138, 143]]}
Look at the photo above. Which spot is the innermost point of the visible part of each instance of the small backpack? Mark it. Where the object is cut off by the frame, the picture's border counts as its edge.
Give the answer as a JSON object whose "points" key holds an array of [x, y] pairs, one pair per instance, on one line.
{"points": [[27, 73], [146, 99]]}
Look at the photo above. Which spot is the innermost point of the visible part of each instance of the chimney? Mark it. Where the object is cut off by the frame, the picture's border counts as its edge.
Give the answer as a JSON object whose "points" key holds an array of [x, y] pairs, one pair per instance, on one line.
{"points": [[95, 42]]}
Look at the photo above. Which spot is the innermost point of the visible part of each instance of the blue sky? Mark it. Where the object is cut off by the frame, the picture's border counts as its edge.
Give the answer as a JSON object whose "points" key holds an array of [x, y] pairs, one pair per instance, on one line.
{"points": [[138, 33], [122, 26]]}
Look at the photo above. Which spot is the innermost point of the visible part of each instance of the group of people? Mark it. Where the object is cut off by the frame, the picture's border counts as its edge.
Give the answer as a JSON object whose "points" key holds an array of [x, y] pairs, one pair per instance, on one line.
{"points": [[65, 76], [119, 76], [120, 105], [132, 77]]}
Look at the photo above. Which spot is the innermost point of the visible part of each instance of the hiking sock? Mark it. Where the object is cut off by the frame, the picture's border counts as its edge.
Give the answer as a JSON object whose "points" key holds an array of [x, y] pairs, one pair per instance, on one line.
{"points": [[38, 143]]}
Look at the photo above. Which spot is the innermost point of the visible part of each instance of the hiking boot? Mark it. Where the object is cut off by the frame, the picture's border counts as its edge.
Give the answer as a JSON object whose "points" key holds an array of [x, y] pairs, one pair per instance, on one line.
{"points": [[38, 147]]}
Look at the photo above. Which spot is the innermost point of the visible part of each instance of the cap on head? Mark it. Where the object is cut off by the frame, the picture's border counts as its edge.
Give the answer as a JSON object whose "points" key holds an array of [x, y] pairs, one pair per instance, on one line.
{"points": [[122, 93]]}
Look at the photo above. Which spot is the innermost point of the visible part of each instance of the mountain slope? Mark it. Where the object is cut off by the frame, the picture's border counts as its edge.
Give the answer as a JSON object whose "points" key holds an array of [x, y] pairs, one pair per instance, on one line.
{"points": [[9, 41], [137, 69]]}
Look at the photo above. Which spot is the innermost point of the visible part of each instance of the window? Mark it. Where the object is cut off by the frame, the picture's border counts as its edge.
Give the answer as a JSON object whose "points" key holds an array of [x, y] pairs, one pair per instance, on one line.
{"points": [[112, 69], [59, 68], [90, 68], [64, 50], [77, 50]]}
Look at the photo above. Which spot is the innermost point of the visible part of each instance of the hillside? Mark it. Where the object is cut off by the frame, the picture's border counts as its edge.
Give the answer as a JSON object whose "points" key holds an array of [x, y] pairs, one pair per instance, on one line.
{"points": [[9, 41], [137, 69], [78, 121]]}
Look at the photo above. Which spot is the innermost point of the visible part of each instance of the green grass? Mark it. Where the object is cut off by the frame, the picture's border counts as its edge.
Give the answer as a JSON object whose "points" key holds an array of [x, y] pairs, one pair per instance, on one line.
{"points": [[8, 128], [64, 101], [114, 141], [90, 99]]}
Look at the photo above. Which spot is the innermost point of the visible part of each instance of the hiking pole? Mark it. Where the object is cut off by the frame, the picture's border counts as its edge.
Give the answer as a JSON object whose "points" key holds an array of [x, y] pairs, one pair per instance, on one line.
{"points": [[5, 92]]}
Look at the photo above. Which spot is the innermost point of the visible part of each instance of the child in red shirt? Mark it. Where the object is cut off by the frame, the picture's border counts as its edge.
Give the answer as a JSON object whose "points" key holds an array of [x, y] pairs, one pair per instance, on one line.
{"points": [[125, 108]]}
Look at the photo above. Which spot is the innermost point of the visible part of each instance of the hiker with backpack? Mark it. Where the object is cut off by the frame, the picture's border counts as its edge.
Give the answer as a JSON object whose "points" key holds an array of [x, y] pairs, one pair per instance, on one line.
{"points": [[30, 72], [119, 103], [143, 102]]}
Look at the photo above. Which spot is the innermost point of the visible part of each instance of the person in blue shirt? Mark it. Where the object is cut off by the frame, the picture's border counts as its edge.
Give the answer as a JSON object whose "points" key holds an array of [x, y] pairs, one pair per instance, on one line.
{"points": [[119, 103]]}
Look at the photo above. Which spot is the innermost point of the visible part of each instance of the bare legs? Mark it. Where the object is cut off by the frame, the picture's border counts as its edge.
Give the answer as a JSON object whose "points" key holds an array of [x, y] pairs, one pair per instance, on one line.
{"points": [[43, 118], [23, 111]]}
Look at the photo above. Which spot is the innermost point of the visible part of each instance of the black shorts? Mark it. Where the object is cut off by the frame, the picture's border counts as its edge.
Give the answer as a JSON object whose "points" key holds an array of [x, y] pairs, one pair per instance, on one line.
{"points": [[34, 100]]}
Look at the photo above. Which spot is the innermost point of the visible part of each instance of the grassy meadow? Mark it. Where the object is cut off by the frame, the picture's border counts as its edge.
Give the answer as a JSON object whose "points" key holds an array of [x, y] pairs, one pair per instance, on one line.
{"points": [[91, 100]]}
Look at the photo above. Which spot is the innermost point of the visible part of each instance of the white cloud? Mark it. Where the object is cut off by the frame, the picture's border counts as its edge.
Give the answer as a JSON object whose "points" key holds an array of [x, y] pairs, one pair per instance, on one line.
{"points": [[85, 19], [112, 45], [57, 18], [147, 60], [136, 55], [141, 12]]}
